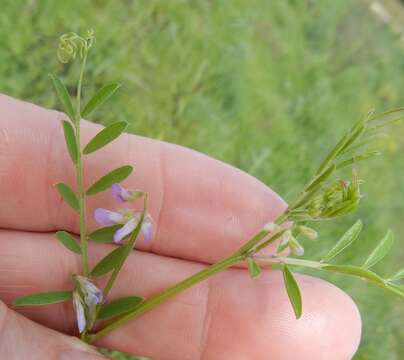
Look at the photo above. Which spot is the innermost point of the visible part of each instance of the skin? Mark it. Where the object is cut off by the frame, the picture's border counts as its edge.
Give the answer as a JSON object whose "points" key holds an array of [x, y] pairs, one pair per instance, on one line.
{"points": [[203, 210]]}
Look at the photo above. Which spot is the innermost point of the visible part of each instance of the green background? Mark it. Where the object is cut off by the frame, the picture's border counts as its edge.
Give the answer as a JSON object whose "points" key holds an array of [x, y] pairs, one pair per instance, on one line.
{"points": [[264, 85]]}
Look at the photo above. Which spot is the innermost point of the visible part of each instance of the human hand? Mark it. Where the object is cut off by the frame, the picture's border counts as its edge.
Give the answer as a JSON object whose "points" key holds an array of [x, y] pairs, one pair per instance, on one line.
{"points": [[203, 210]]}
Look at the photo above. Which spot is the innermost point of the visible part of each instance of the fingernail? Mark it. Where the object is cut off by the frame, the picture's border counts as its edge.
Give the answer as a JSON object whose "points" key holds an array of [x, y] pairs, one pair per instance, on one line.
{"points": [[80, 355]]}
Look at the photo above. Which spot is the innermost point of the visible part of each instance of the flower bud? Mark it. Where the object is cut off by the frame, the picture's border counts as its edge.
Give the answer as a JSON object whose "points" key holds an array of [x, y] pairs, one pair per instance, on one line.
{"points": [[295, 247], [308, 232], [272, 227], [86, 297], [285, 238]]}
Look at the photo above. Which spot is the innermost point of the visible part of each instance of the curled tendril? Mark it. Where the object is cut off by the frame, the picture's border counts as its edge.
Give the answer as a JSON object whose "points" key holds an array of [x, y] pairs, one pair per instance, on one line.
{"points": [[71, 44]]}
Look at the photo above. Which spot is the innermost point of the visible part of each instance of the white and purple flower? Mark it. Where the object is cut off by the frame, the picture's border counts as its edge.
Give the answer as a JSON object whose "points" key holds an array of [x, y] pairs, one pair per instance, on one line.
{"points": [[126, 217], [86, 297], [80, 313], [121, 194]]}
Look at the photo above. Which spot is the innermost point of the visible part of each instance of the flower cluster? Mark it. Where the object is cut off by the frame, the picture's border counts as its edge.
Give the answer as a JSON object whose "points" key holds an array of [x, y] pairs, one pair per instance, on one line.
{"points": [[288, 237], [339, 198], [126, 217]]}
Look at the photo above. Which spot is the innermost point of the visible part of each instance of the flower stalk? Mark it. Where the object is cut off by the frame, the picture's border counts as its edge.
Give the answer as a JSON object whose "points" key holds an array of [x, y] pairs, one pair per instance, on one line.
{"points": [[80, 174]]}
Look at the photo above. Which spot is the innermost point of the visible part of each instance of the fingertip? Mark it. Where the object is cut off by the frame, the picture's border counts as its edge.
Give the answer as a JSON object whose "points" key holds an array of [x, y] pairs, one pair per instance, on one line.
{"points": [[331, 322], [329, 328]]}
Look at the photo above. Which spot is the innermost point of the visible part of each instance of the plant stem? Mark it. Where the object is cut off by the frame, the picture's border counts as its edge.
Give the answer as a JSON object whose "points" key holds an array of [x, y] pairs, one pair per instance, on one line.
{"points": [[290, 261], [157, 299], [269, 241], [149, 304], [80, 175], [129, 247], [262, 234]]}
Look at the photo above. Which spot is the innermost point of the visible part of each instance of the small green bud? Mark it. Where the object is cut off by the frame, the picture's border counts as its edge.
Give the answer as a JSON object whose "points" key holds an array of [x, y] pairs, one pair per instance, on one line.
{"points": [[308, 232], [295, 247], [286, 237]]}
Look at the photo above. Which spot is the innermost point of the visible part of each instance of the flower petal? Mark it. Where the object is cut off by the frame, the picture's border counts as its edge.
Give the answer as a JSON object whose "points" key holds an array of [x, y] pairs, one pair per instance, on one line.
{"points": [[80, 314], [120, 193], [147, 228], [93, 295], [107, 217], [125, 230]]}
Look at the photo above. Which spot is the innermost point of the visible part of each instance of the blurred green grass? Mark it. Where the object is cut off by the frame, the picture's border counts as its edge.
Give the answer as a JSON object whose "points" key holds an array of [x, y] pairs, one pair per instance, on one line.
{"points": [[264, 85]]}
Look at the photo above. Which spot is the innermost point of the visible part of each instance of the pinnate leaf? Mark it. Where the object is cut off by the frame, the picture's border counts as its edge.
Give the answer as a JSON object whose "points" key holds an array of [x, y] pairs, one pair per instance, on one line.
{"points": [[115, 176], [347, 239], [99, 98], [64, 96], [109, 262], [70, 138], [43, 298], [68, 195], [105, 136], [293, 291], [381, 250], [120, 306], [68, 241]]}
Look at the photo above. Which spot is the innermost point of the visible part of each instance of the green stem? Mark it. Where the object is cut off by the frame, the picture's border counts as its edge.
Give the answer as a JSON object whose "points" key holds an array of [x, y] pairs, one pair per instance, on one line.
{"points": [[80, 175], [269, 241], [129, 247], [291, 261], [262, 234], [169, 293], [185, 284]]}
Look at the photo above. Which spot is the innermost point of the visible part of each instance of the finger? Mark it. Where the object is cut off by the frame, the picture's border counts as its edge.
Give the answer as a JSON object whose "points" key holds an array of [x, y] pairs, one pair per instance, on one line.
{"points": [[227, 317], [20, 338], [203, 208]]}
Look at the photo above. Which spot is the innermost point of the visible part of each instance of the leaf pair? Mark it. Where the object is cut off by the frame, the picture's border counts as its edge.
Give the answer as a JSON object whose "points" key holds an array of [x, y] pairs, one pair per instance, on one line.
{"points": [[381, 250], [104, 137], [105, 182], [96, 101]]}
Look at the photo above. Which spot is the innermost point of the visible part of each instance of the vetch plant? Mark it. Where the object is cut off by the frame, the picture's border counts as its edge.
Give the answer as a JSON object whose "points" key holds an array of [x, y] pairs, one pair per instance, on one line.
{"points": [[331, 193]]}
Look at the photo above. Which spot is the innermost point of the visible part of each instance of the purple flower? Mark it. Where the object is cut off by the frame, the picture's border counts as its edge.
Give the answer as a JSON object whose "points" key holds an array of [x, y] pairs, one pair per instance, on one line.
{"points": [[147, 228], [107, 217], [86, 297], [128, 218], [92, 294], [125, 230], [121, 194]]}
